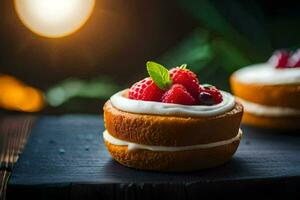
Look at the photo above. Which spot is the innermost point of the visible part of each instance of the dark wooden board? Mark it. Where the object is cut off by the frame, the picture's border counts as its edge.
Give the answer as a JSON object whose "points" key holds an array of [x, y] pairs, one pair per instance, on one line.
{"points": [[66, 158]]}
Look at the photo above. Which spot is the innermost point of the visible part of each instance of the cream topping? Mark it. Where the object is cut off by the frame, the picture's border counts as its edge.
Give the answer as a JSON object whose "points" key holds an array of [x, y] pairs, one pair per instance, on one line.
{"points": [[133, 146], [267, 74], [263, 110], [120, 101]]}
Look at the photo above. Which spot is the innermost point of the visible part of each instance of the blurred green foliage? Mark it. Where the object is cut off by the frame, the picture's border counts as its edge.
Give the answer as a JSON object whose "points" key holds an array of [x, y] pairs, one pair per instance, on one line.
{"points": [[229, 35], [97, 88]]}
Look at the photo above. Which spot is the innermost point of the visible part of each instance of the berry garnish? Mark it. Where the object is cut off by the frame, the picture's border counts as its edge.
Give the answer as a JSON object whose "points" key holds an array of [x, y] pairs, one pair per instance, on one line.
{"points": [[178, 94], [187, 78], [294, 60], [279, 59], [145, 90], [206, 98], [178, 86], [209, 95], [151, 89]]}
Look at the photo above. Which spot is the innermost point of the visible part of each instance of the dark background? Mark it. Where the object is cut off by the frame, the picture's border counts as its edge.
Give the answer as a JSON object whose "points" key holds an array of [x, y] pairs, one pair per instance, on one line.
{"points": [[213, 37]]}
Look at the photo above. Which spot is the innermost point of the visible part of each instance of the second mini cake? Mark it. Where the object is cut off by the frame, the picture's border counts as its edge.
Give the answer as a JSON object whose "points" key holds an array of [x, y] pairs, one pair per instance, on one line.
{"points": [[270, 92], [168, 122]]}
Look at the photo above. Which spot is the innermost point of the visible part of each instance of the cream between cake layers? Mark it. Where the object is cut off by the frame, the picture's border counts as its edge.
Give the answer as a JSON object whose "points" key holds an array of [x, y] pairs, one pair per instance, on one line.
{"points": [[179, 127], [270, 92]]}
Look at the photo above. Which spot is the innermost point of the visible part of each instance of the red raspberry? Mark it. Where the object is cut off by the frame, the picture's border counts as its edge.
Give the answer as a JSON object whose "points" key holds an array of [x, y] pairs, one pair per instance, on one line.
{"points": [[294, 60], [279, 59], [178, 94], [186, 78], [209, 95], [297, 64], [145, 90]]}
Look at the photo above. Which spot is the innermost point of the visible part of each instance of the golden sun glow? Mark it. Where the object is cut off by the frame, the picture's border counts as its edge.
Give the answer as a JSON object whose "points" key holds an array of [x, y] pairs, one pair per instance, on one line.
{"points": [[54, 18]]}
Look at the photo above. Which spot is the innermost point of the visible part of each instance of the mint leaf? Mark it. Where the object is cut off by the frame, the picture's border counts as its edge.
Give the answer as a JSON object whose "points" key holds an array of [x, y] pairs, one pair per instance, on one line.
{"points": [[159, 74], [183, 66]]}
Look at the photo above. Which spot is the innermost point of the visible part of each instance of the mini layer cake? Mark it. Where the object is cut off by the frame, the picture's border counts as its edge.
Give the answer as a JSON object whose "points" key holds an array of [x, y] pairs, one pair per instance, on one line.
{"points": [[270, 92], [169, 122]]}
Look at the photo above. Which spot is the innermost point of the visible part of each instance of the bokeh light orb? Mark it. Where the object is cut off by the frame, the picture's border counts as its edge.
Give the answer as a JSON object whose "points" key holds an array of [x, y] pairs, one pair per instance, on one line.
{"points": [[54, 18], [16, 95]]}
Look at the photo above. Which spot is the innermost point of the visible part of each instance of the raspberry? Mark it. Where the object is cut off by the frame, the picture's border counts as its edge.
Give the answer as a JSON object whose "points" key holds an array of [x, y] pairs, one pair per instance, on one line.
{"points": [[186, 78], [294, 60], [209, 95], [279, 59], [145, 90], [178, 94], [297, 64]]}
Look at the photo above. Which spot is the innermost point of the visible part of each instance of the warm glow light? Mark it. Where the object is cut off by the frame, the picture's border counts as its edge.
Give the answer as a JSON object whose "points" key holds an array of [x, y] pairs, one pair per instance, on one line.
{"points": [[54, 18], [15, 95]]}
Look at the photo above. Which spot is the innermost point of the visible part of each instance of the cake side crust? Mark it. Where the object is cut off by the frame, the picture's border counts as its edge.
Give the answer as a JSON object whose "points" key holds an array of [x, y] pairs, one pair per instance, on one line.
{"points": [[270, 95], [173, 161], [171, 130], [292, 123]]}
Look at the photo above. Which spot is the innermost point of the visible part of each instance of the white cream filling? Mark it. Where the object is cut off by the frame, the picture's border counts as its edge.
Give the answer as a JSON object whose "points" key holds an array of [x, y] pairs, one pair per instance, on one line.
{"points": [[267, 74], [133, 146], [120, 101], [272, 111]]}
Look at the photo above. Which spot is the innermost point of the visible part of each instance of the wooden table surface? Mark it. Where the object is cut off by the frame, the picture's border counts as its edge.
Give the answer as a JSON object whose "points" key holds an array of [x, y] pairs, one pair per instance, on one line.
{"points": [[65, 158], [14, 131]]}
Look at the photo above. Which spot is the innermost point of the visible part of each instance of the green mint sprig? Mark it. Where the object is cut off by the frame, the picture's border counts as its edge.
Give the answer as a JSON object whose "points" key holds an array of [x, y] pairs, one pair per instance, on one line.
{"points": [[159, 74], [183, 66]]}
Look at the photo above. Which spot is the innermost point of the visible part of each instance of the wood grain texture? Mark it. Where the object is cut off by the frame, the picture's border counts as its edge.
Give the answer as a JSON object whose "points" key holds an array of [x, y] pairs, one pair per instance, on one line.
{"points": [[14, 132], [66, 158], [4, 176]]}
